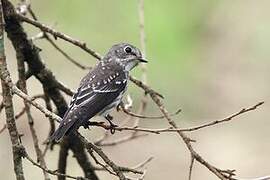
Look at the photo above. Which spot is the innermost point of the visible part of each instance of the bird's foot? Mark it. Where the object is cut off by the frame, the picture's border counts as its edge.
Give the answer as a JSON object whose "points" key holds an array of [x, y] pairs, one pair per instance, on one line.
{"points": [[92, 123], [112, 125], [120, 106], [86, 125]]}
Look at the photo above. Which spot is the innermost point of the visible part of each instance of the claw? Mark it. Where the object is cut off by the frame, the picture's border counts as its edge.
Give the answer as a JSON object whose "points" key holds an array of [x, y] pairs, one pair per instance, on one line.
{"points": [[89, 123], [86, 125], [112, 128], [112, 125], [120, 106]]}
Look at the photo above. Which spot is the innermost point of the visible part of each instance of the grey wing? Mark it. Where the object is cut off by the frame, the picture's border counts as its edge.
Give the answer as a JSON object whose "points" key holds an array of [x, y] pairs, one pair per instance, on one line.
{"points": [[87, 102]]}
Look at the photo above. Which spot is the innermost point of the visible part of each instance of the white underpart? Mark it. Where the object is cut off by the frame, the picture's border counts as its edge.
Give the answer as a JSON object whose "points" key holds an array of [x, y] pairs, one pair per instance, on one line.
{"points": [[109, 107], [130, 65]]}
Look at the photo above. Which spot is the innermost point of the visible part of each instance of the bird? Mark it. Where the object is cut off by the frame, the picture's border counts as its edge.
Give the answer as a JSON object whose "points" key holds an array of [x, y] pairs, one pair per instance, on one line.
{"points": [[101, 90]]}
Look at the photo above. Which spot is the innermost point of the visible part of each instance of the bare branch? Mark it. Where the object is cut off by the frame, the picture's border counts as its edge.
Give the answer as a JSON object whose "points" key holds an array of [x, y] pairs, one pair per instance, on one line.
{"points": [[187, 140], [127, 111], [64, 88], [244, 110], [122, 140], [49, 39], [51, 121], [142, 164], [18, 92], [51, 171], [117, 169], [146, 88], [6, 78], [8, 104], [19, 114], [191, 167], [171, 129], [60, 35], [143, 175], [22, 85]]}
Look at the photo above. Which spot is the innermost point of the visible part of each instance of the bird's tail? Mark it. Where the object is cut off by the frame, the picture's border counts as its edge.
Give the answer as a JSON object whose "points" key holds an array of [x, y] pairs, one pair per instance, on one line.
{"points": [[62, 130]]}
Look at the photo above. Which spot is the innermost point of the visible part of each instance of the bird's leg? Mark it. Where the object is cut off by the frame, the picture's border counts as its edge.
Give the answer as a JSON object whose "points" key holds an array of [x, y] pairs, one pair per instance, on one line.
{"points": [[92, 123], [86, 125], [120, 105], [109, 118]]}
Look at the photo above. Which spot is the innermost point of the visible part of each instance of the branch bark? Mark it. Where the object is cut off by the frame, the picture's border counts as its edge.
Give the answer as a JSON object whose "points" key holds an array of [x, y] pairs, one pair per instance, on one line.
{"points": [[8, 104], [22, 86]]}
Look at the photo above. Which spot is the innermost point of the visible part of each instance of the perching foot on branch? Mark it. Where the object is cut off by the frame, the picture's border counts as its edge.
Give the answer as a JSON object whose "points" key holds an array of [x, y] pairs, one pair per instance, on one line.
{"points": [[109, 118], [92, 123]]}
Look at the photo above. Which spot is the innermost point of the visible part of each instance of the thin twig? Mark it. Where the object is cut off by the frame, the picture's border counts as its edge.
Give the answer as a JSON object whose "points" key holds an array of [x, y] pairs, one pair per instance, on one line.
{"points": [[19, 114], [127, 111], [105, 167], [242, 111], [22, 85], [64, 88], [51, 121], [142, 164], [122, 140], [187, 140], [146, 88], [49, 39], [143, 175], [60, 35], [171, 129], [51, 171], [191, 167], [18, 92], [117, 169]]}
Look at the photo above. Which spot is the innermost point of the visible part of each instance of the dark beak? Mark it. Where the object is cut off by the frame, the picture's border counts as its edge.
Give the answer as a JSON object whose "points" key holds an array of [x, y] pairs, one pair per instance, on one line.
{"points": [[142, 60]]}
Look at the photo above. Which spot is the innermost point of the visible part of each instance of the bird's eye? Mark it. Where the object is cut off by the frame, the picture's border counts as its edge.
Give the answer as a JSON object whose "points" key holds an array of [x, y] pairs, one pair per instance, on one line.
{"points": [[128, 49]]}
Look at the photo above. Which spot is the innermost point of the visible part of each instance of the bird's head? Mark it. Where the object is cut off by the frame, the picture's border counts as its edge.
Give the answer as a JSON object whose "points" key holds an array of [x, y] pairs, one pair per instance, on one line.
{"points": [[125, 55]]}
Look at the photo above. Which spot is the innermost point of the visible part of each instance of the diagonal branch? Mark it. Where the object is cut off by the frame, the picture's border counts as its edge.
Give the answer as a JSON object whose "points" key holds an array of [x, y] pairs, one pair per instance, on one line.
{"points": [[58, 34], [19, 114], [90, 146], [187, 141], [50, 40], [48, 170]]}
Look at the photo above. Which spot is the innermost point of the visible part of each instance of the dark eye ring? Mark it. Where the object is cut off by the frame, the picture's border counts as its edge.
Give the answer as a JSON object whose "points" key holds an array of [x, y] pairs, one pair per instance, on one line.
{"points": [[128, 49]]}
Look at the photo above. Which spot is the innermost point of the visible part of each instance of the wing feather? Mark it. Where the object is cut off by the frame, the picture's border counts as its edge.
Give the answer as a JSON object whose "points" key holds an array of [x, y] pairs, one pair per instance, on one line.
{"points": [[90, 99]]}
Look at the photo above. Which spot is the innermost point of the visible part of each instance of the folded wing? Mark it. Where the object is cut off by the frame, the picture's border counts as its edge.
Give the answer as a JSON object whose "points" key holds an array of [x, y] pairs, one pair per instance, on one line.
{"points": [[90, 99]]}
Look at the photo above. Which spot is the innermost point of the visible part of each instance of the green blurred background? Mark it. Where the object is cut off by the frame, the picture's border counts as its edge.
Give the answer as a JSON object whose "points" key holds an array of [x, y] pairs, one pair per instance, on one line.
{"points": [[210, 58]]}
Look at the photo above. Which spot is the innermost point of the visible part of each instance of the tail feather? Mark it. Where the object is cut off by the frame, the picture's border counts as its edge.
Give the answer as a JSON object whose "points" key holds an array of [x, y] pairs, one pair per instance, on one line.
{"points": [[62, 130]]}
